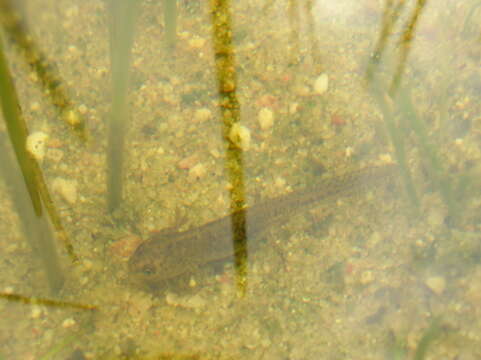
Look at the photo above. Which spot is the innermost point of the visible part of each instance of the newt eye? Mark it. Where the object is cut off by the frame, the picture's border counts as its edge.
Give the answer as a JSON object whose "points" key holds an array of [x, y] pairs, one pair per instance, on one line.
{"points": [[148, 270]]}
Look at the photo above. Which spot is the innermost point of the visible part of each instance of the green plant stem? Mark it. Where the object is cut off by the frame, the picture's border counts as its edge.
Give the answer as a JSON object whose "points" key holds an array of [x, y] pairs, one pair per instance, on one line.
{"points": [[230, 112], [170, 22], [398, 143], [122, 20], [429, 151], [36, 228], [41, 238]]}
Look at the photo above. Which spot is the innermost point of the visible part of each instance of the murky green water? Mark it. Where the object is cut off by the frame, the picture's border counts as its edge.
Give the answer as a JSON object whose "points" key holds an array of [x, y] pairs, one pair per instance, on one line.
{"points": [[271, 99]]}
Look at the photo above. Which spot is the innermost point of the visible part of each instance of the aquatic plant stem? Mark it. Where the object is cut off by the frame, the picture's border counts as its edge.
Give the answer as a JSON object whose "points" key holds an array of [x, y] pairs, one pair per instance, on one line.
{"points": [[170, 22], [53, 85], [397, 140], [230, 111], [122, 20], [429, 151]]}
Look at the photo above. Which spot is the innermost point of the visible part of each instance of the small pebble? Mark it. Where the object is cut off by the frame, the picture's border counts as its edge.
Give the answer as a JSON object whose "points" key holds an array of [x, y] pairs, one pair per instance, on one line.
{"points": [[66, 188], [36, 144], [197, 42], [72, 117], [36, 312], [55, 155], [198, 171], [194, 302], [337, 120], [280, 182], [125, 246], [82, 109], [188, 162], [35, 106], [349, 151], [367, 277], [321, 84], [67, 323], [386, 158], [293, 108], [437, 284], [265, 118], [202, 115], [215, 153], [240, 136]]}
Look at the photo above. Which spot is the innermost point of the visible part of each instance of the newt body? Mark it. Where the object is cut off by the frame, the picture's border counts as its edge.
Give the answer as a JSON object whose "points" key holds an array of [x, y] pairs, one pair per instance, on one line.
{"points": [[171, 254]]}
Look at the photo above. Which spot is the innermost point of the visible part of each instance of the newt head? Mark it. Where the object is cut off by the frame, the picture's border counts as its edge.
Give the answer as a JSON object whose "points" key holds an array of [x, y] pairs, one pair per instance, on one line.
{"points": [[156, 261]]}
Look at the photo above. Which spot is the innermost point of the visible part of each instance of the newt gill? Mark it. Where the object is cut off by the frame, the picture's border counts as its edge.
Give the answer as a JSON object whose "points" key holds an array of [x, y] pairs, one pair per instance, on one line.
{"points": [[171, 254]]}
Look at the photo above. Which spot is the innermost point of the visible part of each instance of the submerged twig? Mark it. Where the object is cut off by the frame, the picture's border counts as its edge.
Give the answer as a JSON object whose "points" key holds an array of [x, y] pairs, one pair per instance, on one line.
{"points": [[47, 302]]}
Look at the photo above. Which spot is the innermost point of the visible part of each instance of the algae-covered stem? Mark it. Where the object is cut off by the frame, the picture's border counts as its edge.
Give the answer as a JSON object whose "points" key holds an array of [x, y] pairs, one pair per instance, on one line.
{"points": [[12, 20], [31, 206], [230, 111]]}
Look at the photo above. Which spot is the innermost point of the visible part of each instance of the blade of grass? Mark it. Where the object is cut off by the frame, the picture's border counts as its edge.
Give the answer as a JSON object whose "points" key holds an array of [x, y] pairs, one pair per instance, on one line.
{"points": [[429, 151], [122, 20], [17, 130], [431, 334], [32, 178], [397, 140], [18, 133], [170, 22], [35, 227]]}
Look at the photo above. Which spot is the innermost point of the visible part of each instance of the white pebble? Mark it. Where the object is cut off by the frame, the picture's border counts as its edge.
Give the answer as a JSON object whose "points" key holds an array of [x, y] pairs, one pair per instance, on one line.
{"points": [[293, 108], [36, 312], [197, 42], [66, 188], [280, 182], [67, 323], [349, 151], [82, 109], [265, 118], [202, 115], [437, 284], [240, 136], [321, 84], [386, 158], [194, 302], [36, 144]]}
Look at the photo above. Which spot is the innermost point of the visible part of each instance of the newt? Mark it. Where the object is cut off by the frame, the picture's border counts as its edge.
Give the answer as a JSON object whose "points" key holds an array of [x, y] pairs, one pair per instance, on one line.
{"points": [[170, 254]]}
